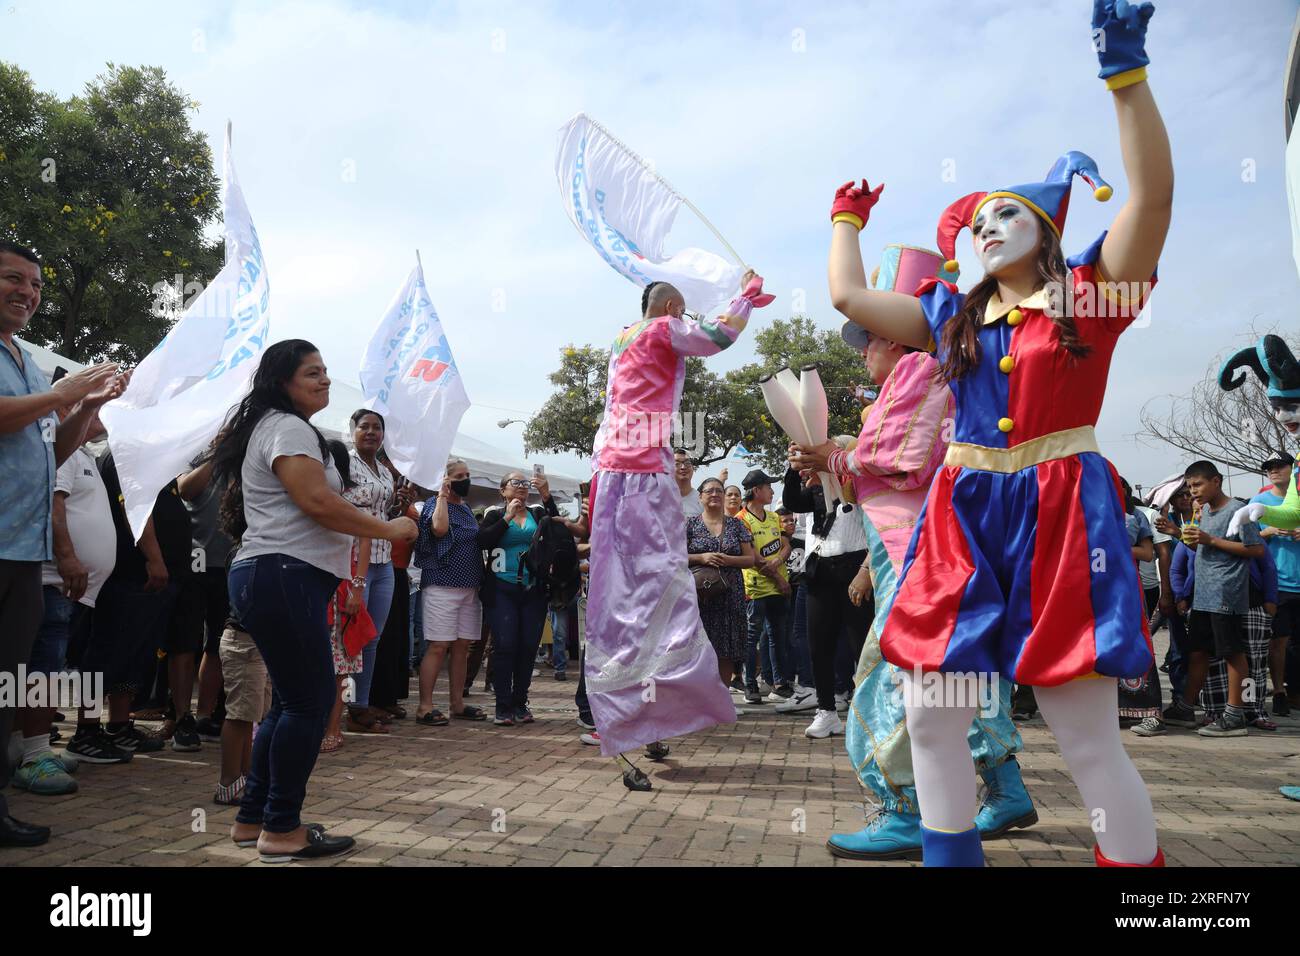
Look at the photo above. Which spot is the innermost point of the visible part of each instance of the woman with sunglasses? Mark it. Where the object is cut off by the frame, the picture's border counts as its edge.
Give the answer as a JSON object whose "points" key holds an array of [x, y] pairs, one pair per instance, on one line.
{"points": [[714, 539], [515, 601]]}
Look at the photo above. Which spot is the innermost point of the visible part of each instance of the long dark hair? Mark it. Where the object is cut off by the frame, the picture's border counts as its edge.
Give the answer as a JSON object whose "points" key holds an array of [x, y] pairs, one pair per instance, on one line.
{"points": [[342, 461], [961, 346], [278, 365]]}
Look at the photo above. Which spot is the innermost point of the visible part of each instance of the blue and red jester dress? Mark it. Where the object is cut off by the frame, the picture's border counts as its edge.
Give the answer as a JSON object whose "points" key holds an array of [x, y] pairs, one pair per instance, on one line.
{"points": [[1020, 564]]}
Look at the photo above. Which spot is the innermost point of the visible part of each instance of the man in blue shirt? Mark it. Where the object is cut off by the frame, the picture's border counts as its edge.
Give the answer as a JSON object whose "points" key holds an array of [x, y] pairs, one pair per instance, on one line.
{"points": [[1285, 547], [32, 446]]}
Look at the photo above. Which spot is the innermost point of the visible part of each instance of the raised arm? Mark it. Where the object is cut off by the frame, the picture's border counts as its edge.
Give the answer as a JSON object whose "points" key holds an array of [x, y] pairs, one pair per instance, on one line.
{"points": [[1132, 247], [892, 315]]}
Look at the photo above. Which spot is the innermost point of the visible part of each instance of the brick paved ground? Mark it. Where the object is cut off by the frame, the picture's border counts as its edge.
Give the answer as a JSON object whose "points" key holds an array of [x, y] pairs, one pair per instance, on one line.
{"points": [[430, 796]]}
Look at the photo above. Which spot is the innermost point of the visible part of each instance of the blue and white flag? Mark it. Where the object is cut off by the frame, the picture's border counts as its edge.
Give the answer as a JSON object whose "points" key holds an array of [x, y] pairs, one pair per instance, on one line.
{"points": [[409, 376], [180, 394], [626, 212]]}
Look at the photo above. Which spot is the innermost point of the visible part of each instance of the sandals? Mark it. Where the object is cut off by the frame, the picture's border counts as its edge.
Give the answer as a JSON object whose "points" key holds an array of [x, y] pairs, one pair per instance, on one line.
{"points": [[228, 795], [434, 718], [396, 712], [331, 743], [361, 722], [470, 713]]}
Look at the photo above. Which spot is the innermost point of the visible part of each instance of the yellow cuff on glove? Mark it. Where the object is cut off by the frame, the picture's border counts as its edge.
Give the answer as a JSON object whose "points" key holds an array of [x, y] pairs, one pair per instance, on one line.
{"points": [[1127, 78], [852, 218]]}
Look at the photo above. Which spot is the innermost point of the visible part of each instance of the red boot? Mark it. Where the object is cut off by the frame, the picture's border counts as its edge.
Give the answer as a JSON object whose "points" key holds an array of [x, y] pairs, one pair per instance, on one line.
{"points": [[1102, 861]]}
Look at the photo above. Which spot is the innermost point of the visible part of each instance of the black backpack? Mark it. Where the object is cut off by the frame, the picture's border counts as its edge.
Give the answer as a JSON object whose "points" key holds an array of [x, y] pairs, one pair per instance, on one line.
{"points": [[552, 560]]}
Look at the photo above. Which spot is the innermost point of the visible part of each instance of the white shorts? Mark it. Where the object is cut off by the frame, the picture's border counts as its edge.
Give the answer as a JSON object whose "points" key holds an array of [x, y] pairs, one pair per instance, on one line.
{"points": [[451, 613]]}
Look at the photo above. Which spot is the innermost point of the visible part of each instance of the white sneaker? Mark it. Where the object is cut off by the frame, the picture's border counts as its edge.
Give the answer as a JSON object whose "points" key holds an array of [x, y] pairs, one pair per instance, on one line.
{"points": [[741, 712], [591, 740], [804, 699], [827, 723], [842, 703]]}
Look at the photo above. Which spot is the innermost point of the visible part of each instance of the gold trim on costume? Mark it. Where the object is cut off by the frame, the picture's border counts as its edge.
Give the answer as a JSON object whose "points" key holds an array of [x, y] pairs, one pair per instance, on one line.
{"points": [[1008, 461]]}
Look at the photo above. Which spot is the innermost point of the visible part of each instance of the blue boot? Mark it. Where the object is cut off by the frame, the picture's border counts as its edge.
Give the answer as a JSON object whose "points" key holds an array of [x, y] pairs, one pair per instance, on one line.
{"points": [[1006, 802], [952, 849], [888, 835]]}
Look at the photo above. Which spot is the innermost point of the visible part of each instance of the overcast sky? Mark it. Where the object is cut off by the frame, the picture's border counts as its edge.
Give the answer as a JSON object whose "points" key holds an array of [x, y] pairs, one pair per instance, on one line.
{"points": [[365, 130]]}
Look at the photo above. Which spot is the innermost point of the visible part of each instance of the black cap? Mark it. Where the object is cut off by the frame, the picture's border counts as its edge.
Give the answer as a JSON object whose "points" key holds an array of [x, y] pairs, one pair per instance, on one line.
{"points": [[1283, 460], [756, 478]]}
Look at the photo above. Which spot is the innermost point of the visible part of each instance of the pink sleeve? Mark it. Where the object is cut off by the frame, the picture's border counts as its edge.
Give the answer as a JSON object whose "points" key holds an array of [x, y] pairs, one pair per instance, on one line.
{"points": [[705, 337], [904, 437]]}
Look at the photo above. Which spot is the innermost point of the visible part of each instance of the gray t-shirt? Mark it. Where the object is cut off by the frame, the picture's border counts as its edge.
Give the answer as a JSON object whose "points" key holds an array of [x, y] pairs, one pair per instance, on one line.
{"points": [[1222, 579], [275, 524], [205, 528]]}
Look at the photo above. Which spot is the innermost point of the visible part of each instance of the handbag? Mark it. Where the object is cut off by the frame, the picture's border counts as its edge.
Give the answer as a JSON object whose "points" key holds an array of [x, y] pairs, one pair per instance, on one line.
{"points": [[710, 583]]}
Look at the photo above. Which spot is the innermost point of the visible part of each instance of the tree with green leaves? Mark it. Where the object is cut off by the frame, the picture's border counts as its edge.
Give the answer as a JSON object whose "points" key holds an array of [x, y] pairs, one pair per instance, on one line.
{"points": [[113, 190], [719, 412]]}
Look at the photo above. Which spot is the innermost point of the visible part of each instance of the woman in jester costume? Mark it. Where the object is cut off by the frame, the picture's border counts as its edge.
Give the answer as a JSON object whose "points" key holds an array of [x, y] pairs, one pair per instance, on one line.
{"points": [[902, 444], [1020, 562]]}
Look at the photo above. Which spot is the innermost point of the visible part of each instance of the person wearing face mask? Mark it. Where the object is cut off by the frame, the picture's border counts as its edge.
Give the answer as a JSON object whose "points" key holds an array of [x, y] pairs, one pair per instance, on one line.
{"points": [[515, 599], [1020, 564], [451, 562], [643, 620]]}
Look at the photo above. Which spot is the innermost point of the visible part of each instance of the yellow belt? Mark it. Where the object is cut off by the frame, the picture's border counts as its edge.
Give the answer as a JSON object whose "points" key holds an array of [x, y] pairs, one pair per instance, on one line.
{"points": [[1007, 461]]}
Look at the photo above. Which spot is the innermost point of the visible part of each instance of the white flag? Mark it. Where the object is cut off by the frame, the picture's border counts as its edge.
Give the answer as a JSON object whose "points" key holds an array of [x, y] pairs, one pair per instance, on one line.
{"points": [[181, 392], [409, 376], [626, 212]]}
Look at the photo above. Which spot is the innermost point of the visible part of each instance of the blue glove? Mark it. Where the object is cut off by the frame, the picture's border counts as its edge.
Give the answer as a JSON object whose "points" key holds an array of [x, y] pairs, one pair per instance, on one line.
{"points": [[1119, 30]]}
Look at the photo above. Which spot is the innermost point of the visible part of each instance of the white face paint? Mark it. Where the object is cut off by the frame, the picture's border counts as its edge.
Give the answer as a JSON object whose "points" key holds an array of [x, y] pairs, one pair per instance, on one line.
{"points": [[1288, 416], [1004, 233]]}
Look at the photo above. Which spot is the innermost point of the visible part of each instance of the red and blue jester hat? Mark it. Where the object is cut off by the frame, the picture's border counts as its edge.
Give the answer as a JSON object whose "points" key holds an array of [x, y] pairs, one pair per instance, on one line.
{"points": [[1050, 199]]}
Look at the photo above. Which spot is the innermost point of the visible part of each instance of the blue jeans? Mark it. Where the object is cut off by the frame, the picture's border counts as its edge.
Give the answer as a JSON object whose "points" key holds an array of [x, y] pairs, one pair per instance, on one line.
{"points": [[580, 695], [379, 601], [560, 636], [518, 616], [799, 646], [417, 623], [767, 637], [281, 602], [50, 651]]}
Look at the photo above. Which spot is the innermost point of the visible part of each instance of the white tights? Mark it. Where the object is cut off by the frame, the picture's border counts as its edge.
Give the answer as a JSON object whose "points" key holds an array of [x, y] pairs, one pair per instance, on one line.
{"points": [[1082, 715]]}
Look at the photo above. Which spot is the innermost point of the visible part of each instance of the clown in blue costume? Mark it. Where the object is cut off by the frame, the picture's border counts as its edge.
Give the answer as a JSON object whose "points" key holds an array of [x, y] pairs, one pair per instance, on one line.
{"points": [[1001, 575]]}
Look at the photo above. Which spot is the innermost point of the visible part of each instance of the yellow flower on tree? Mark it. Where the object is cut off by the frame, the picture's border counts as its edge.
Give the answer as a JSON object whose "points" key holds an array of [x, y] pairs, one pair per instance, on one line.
{"points": [[167, 252], [67, 209]]}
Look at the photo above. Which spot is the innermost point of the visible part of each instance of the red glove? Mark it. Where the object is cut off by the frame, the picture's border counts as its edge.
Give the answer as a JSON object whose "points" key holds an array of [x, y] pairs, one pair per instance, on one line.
{"points": [[855, 203], [755, 294]]}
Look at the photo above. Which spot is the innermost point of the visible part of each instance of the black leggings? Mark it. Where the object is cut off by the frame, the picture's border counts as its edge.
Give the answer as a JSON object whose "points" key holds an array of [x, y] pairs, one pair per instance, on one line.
{"points": [[832, 618]]}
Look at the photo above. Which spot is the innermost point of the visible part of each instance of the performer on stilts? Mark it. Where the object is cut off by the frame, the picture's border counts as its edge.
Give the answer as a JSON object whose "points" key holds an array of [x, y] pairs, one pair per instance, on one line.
{"points": [[1020, 565], [902, 444], [651, 672]]}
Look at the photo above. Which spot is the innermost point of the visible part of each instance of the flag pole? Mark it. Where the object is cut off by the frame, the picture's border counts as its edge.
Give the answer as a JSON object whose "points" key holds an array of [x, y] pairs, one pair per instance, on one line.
{"points": [[419, 262], [669, 186]]}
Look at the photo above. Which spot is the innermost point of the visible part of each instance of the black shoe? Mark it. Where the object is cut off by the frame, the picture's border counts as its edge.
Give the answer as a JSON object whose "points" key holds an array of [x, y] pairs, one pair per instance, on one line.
{"points": [[635, 779], [186, 738], [94, 745], [208, 728], [319, 845], [132, 738], [1179, 714], [656, 751], [16, 833], [754, 697], [560, 675], [784, 691], [1281, 706]]}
